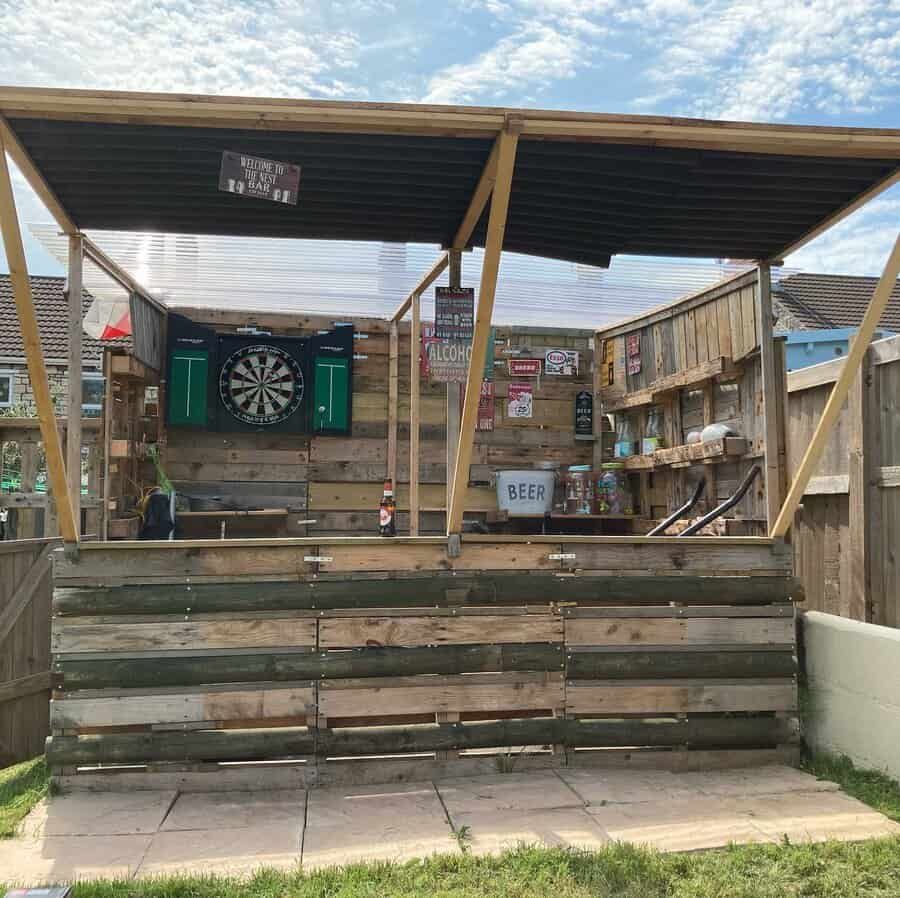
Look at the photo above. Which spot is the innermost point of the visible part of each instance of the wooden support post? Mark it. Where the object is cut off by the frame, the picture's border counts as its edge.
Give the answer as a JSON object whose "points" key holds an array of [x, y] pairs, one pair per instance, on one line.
{"points": [[428, 279], [414, 338], [861, 470], [453, 403], [506, 159], [769, 386], [37, 371], [105, 442], [393, 401], [839, 392], [74, 397]]}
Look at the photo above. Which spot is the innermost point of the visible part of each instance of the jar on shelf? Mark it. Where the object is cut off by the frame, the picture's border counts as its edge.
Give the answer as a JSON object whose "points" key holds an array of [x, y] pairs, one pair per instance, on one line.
{"points": [[579, 490], [653, 434], [613, 494], [626, 442]]}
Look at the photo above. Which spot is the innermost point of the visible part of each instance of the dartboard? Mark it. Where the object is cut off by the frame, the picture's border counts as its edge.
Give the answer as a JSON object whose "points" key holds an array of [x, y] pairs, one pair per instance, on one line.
{"points": [[261, 384]]}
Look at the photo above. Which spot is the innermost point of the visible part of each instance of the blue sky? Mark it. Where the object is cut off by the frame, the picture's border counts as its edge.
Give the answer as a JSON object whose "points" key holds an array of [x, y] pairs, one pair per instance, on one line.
{"points": [[833, 62]]}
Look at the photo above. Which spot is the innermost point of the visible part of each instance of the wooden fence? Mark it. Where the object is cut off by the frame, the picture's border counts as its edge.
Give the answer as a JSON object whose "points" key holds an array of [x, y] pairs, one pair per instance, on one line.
{"points": [[374, 674], [25, 596], [847, 531]]}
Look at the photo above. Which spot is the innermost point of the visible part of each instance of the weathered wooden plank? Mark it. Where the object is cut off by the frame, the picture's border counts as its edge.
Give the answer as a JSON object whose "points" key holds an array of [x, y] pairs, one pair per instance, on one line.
{"points": [[438, 630], [679, 696], [249, 472], [24, 592], [515, 692], [269, 744], [626, 665], [224, 633], [25, 686], [430, 589], [263, 701], [432, 497], [784, 609], [690, 631], [504, 556], [364, 662]]}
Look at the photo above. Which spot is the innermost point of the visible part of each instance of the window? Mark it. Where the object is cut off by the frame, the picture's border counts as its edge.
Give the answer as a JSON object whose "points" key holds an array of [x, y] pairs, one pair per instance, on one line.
{"points": [[7, 381], [91, 394]]}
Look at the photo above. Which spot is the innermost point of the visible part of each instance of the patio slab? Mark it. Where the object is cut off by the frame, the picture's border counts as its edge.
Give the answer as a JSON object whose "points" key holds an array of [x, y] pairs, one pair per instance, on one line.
{"points": [[236, 810], [493, 832], [603, 787], [63, 859], [751, 781], [383, 823], [686, 825], [539, 790], [225, 852], [99, 814]]}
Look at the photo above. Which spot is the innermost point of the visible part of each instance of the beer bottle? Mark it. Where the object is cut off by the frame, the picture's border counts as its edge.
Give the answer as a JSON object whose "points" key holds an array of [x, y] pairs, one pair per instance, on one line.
{"points": [[387, 511]]}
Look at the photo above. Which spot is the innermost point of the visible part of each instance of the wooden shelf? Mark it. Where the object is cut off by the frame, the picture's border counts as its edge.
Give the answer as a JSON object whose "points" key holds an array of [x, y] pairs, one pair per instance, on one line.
{"points": [[500, 516], [709, 452], [661, 388], [234, 513]]}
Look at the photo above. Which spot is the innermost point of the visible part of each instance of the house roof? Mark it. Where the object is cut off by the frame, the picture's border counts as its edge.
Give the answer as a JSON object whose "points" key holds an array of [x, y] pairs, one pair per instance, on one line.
{"points": [[52, 313], [586, 186], [833, 300]]}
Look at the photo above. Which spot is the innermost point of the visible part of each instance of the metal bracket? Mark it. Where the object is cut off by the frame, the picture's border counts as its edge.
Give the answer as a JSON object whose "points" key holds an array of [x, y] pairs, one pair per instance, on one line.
{"points": [[561, 556], [318, 559]]}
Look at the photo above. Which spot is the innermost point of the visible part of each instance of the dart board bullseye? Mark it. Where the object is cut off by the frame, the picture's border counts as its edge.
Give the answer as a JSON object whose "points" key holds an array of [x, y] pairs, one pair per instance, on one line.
{"points": [[261, 385]]}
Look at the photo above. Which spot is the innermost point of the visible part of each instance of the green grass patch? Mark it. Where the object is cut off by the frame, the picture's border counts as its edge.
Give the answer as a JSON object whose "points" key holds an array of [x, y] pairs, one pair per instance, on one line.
{"points": [[833, 870], [22, 786], [875, 789]]}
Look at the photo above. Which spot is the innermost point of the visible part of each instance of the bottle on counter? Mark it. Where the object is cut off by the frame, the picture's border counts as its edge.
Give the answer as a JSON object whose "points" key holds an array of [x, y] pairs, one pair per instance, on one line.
{"points": [[613, 494], [626, 444], [387, 511], [653, 435]]}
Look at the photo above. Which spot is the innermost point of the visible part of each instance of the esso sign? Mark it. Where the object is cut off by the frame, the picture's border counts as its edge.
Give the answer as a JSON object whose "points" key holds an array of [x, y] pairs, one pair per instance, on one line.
{"points": [[556, 357]]}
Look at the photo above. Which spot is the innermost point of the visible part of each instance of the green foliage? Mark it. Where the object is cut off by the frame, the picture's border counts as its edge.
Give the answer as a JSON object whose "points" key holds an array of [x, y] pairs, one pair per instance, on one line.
{"points": [[21, 788], [875, 789]]}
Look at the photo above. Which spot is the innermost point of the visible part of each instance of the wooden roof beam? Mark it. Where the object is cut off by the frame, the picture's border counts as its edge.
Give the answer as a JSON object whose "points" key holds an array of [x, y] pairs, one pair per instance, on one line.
{"points": [[112, 268], [35, 179], [479, 200], [433, 274]]}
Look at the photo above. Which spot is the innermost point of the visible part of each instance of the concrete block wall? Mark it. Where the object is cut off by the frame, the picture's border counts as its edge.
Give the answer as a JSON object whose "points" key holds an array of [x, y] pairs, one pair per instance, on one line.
{"points": [[853, 672]]}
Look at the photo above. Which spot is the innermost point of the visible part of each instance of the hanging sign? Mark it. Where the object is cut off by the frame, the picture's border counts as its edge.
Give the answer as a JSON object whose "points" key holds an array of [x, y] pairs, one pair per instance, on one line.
{"points": [[454, 313], [262, 179], [524, 368], [448, 363], [485, 420], [608, 361], [633, 352], [520, 400], [584, 415], [561, 361]]}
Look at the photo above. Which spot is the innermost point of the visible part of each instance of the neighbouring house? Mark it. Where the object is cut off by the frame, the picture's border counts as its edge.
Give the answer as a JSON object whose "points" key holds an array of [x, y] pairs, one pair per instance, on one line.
{"points": [[820, 313], [52, 313]]}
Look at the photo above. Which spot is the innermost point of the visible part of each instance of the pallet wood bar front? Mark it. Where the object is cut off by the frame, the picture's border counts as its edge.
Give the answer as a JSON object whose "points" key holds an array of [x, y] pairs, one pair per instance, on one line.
{"points": [[329, 667]]}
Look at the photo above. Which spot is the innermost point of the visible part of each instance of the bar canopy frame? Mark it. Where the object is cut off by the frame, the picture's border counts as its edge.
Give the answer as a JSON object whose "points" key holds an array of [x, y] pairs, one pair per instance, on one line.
{"points": [[845, 168]]}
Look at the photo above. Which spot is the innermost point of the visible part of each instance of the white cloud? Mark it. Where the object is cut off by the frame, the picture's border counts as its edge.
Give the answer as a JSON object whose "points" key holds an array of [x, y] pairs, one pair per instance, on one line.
{"points": [[860, 244], [207, 46]]}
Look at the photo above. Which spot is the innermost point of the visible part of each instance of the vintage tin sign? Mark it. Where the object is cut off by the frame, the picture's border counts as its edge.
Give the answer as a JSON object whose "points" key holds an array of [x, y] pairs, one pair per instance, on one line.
{"points": [[520, 400], [524, 367], [584, 415], [561, 362]]}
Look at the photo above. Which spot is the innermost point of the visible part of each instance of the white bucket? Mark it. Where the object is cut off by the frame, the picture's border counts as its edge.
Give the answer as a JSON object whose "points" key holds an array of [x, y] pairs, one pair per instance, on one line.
{"points": [[525, 492]]}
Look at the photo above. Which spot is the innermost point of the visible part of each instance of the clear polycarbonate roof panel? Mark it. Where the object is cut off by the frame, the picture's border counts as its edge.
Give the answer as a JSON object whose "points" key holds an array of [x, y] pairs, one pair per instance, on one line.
{"points": [[344, 278]]}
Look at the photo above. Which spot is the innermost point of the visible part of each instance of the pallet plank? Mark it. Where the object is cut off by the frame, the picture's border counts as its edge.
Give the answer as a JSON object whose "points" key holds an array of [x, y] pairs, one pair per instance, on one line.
{"points": [[688, 631]]}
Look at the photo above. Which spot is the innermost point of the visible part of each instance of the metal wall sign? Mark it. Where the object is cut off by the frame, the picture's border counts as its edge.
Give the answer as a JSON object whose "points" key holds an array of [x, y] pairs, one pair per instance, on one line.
{"points": [[561, 361], [262, 179], [448, 362], [584, 415], [520, 400], [454, 313], [524, 367]]}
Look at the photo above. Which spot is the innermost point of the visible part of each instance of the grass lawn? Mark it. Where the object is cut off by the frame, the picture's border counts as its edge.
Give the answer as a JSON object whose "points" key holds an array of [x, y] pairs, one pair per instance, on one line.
{"points": [[22, 786], [833, 870]]}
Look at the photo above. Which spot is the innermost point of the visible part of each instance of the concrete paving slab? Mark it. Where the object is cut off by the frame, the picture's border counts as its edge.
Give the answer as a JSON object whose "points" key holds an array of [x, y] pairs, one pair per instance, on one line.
{"points": [[236, 810], [600, 787], [227, 852], [819, 816], [100, 813], [64, 859], [384, 823], [506, 792], [493, 832], [751, 781], [688, 825]]}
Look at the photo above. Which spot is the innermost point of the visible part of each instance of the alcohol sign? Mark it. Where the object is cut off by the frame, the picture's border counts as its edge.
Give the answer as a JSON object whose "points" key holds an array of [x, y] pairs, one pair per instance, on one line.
{"points": [[561, 361], [584, 415], [520, 400], [454, 313], [448, 362], [262, 179], [485, 421]]}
